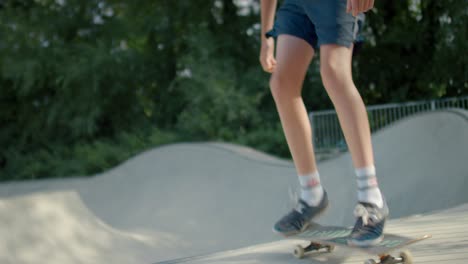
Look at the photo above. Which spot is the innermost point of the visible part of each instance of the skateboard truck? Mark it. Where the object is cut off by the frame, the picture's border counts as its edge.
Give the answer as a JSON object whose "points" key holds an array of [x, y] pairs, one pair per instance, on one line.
{"points": [[300, 251], [404, 258]]}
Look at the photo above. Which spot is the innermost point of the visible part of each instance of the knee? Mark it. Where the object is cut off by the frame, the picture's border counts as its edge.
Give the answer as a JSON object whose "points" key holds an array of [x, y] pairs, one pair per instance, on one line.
{"points": [[330, 69], [336, 75], [282, 87]]}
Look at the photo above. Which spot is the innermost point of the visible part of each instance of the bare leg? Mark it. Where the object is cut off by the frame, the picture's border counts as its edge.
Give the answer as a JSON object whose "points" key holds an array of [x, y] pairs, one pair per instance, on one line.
{"points": [[335, 68], [292, 60], [293, 56], [371, 211]]}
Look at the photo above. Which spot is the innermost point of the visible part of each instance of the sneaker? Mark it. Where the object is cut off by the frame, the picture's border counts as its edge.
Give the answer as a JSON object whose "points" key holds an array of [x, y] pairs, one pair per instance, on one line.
{"points": [[369, 227], [299, 219]]}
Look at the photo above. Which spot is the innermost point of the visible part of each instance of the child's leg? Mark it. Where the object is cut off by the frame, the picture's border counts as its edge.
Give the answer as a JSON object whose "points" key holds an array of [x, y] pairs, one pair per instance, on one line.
{"points": [[371, 211], [335, 68], [336, 30], [293, 56]]}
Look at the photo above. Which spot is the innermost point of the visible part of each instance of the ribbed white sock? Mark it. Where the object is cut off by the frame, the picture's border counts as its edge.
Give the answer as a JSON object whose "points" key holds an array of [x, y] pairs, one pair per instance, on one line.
{"points": [[368, 188], [311, 189]]}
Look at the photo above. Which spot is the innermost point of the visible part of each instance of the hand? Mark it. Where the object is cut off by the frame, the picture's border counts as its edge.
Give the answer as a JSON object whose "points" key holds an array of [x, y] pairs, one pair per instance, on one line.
{"points": [[267, 57], [358, 6]]}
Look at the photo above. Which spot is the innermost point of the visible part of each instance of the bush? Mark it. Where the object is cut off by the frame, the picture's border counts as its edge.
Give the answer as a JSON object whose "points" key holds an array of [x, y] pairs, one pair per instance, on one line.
{"points": [[81, 159]]}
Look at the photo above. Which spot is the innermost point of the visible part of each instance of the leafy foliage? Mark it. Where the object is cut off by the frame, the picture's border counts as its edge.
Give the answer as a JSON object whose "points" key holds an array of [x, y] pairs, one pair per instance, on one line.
{"points": [[414, 51], [86, 84]]}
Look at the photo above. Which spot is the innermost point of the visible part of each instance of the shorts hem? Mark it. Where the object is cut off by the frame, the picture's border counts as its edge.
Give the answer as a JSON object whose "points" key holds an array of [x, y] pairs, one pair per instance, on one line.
{"points": [[275, 33], [343, 43]]}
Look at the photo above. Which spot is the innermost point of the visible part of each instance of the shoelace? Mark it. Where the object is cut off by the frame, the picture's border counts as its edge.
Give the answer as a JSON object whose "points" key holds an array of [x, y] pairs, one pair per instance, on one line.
{"points": [[361, 211], [367, 213], [361, 229], [369, 218]]}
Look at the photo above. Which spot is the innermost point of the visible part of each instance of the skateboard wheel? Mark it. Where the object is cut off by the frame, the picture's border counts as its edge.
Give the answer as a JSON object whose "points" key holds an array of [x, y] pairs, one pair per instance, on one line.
{"points": [[406, 257], [330, 248], [299, 252], [370, 261]]}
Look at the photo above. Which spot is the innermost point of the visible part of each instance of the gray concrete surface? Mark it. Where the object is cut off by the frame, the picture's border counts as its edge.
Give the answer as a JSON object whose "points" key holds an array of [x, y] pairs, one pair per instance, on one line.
{"points": [[449, 244], [192, 199]]}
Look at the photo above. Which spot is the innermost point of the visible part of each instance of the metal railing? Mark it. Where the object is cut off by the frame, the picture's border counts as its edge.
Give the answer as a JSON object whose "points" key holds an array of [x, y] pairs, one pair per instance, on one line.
{"points": [[327, 131]]}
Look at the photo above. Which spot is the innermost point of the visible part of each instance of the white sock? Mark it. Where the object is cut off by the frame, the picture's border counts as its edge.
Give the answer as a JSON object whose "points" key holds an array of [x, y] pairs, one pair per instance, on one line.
{"points": [[368, 188], [311, 189]]}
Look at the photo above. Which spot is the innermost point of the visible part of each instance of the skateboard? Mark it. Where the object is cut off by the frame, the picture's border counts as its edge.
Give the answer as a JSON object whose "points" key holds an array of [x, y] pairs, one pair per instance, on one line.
{"points": [[325, 238]]}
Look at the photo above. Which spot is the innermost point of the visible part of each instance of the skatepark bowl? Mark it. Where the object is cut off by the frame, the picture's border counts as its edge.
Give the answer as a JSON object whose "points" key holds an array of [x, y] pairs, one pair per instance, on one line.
{"points": [[218, 201]]}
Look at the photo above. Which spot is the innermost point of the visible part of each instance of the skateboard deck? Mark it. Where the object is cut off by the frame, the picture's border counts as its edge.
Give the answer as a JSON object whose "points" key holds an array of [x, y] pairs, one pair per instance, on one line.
{"points": [[327, 237]]}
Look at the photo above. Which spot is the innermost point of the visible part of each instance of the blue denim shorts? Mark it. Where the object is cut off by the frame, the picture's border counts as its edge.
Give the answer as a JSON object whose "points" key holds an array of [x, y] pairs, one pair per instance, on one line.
{"points": [[318, 22]]}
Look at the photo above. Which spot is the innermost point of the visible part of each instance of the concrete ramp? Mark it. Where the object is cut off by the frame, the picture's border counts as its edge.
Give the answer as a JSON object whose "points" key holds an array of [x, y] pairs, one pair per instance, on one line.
{"points": [[449, 244], [57, 228], [192, 199]]}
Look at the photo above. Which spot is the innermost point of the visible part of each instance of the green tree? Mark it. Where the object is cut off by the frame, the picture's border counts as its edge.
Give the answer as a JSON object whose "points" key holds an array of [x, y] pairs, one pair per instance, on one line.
{"points": [[86, 84]]}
